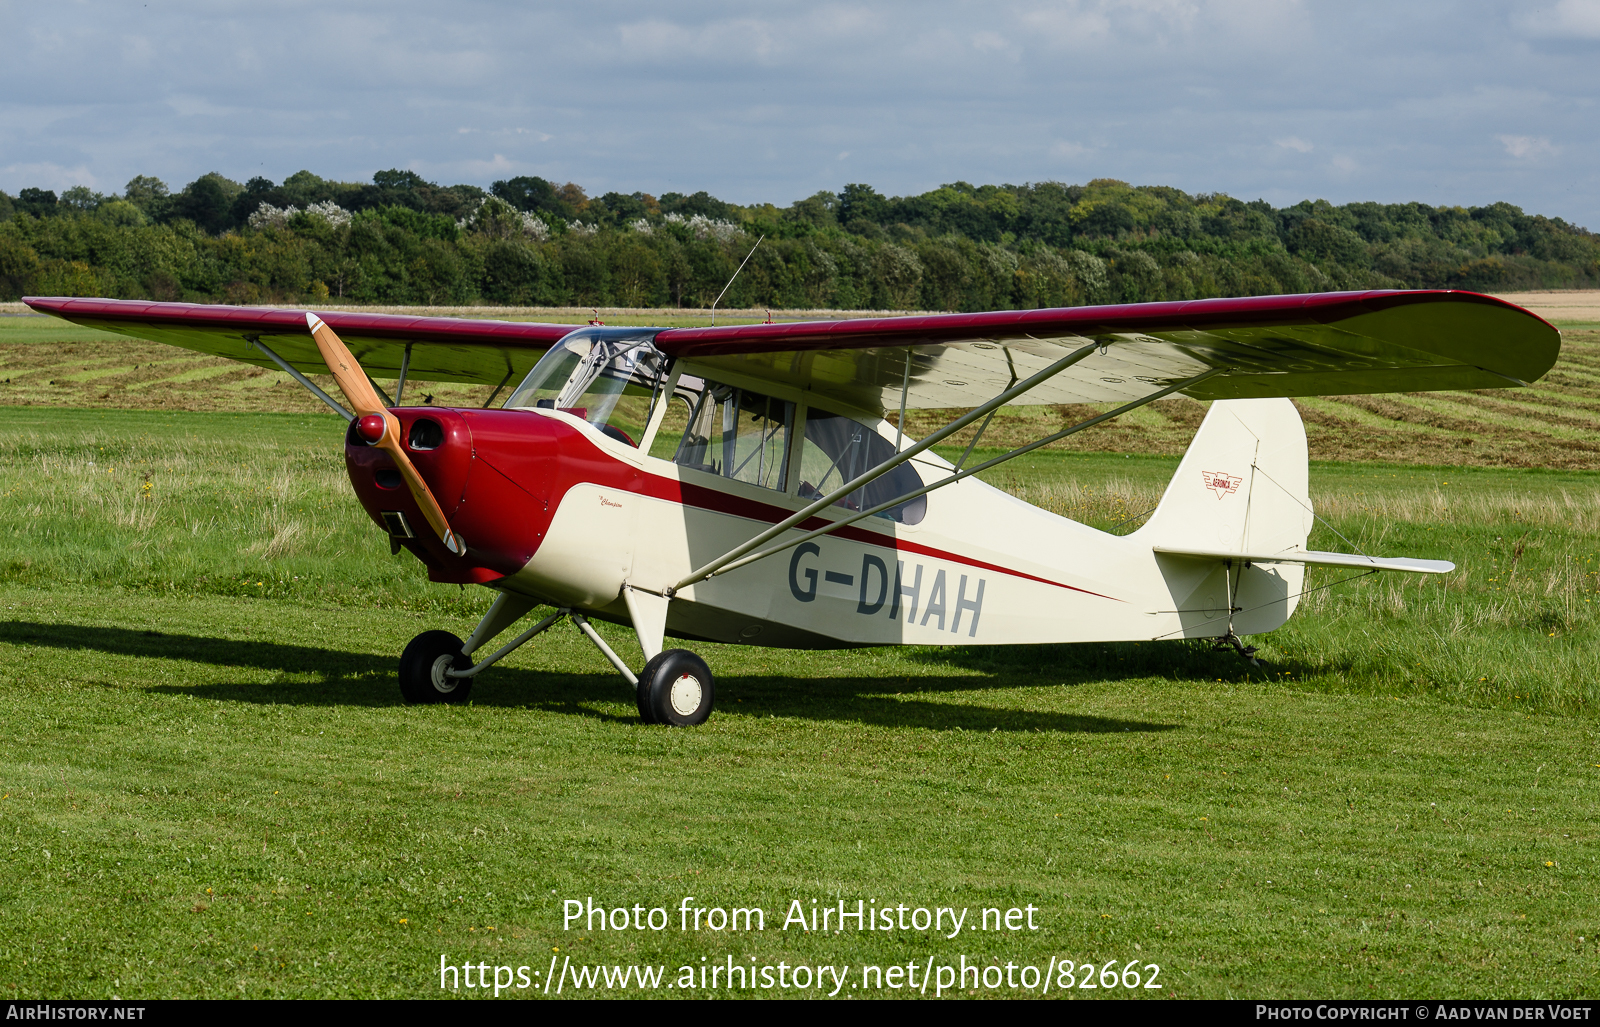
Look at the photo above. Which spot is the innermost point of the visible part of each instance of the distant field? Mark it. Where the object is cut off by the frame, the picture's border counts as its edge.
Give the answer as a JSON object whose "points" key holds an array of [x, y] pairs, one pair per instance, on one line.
{"points": [[1560, 306]]}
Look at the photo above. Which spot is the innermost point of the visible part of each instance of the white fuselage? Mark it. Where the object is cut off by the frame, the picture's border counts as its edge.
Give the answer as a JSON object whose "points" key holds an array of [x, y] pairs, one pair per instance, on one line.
{"points": [[981, 568]]}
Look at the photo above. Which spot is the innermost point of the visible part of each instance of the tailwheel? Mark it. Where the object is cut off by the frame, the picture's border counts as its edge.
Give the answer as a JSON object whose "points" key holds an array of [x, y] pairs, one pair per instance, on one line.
{"points": [[675, 689], [423, 666]]}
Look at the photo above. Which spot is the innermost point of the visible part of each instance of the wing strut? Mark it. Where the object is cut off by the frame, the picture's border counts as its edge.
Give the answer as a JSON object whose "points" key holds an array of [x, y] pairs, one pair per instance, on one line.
{"points": [[959, 474], [405, 366], [387, 402], [509, 372], [905, 387], [338, 407]]}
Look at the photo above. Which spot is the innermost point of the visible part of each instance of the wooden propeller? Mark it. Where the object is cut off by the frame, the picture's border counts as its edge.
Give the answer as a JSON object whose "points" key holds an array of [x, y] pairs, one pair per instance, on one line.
{"points": [[378, 427]]}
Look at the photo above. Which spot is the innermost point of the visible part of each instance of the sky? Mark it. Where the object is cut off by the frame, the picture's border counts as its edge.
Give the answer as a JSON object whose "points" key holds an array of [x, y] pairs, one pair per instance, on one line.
{"points": [[1445, 103]]}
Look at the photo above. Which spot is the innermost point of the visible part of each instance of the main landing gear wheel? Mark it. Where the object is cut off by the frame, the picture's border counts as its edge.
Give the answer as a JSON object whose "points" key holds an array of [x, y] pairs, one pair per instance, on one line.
{"points": [[422, 667], [675, 689]]}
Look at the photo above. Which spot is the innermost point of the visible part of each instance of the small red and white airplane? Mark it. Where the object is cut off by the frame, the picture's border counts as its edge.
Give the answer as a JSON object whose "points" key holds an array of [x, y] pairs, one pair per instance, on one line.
{"points": [[743, 484]]}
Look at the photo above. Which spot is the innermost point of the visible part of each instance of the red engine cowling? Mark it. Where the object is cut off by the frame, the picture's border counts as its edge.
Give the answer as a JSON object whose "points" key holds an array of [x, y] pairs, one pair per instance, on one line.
{"points": [[491, 472]]}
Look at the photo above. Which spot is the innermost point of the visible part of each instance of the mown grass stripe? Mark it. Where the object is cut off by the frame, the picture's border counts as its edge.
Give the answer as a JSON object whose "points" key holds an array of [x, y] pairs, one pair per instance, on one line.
{"points": [[1545, 399], [1536, 413], [1344, 413], [1451, 405]]}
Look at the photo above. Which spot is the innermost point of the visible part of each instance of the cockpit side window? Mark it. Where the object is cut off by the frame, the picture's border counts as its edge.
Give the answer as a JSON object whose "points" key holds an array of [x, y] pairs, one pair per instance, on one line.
{"points": [[837, 449], [738, 434], [674, 420]]}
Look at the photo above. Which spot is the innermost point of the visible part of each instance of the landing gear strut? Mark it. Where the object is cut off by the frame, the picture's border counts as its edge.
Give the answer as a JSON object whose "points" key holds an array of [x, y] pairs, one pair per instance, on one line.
{"points": [[1248, 652], [1230, 640], [675, 688]]}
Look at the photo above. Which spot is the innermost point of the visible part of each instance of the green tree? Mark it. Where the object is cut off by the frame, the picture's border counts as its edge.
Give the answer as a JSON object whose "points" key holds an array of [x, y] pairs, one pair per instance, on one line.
{"points": [[1315, 239], [18, 264], [636, 273], [143, 191], [513, 272], [897, 273], [861, 204], [394, 178], [530, 193], [946, 274], [1136, 277], [208, 202], [41, 203], [81, 198]]}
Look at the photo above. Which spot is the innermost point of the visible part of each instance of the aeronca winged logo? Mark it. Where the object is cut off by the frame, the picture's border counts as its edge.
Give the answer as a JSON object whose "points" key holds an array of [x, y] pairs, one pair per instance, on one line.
{"points": [[1222, 484]]}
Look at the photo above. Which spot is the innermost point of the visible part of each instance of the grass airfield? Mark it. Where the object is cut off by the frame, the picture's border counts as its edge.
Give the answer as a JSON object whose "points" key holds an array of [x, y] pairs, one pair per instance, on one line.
{"points": [[211, 788]]}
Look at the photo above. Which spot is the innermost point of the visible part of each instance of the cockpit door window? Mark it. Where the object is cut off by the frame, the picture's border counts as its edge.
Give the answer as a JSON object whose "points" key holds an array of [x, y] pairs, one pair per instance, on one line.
{"points": [[738, 434]]}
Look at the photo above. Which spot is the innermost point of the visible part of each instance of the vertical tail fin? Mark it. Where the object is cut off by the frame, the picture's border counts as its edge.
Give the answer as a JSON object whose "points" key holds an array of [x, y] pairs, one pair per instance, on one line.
{"points": [[1242, 487]]}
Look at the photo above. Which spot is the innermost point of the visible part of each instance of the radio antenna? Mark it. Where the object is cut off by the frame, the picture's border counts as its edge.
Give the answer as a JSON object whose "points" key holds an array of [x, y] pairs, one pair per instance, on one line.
{"points": [[725, 288]]}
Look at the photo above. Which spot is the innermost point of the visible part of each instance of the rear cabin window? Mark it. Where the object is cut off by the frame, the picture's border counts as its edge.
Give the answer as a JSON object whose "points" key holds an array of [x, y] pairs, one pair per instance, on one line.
{"points": [[837, 449]]}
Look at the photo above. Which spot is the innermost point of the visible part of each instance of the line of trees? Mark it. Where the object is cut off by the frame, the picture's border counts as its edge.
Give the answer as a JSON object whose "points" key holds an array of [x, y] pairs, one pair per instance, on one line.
{"points": [[526, 241]]}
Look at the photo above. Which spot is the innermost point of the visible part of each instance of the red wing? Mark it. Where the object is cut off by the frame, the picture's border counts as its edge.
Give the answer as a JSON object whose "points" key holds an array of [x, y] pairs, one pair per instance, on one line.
{"points": [[443, 348], [1319, 344]]}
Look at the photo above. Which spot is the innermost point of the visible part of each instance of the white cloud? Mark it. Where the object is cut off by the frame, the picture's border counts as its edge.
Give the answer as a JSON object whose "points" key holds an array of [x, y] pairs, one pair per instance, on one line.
{"points": [[1567, 19], [50, 176], [738, 39], [1068, 25], [1067, 150], [1528, 147], [989, 42], [1221, 24], [138, 51], [758, 102], [484, 169], [199, 106]]}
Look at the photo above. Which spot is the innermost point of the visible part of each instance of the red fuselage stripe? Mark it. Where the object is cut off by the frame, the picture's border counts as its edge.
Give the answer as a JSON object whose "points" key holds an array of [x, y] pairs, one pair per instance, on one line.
{"points": [[701, 497]]}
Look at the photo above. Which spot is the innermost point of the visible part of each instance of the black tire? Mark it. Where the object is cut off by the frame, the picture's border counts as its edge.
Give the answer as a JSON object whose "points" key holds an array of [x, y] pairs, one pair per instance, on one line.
{"points": [[676, 689], [422, 668], [642, 692]]}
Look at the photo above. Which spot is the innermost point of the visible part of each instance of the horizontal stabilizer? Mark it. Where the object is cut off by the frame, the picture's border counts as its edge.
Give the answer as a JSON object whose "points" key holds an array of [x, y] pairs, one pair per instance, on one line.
{"points": [[1306, 556]]}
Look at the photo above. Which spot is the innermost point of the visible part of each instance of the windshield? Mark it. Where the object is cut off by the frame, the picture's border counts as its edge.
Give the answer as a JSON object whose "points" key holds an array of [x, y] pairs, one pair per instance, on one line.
{"points": [[608, 377]]}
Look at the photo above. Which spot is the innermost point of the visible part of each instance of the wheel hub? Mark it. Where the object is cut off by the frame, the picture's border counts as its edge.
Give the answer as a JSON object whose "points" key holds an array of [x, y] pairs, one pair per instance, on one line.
{"points": [[685, 695], [442, 681]]}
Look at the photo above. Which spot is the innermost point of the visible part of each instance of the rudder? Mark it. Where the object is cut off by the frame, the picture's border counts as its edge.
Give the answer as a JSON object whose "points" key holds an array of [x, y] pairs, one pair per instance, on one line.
{"points": [[1242, 487]]}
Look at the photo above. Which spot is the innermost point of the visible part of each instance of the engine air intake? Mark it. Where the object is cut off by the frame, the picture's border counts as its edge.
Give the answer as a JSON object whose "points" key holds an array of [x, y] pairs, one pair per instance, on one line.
{"points": [[426, 434]]}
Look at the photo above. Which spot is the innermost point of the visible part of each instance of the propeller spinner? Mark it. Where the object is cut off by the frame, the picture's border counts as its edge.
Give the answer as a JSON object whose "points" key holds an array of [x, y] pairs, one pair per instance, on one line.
{"points": [[378, 427]]}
